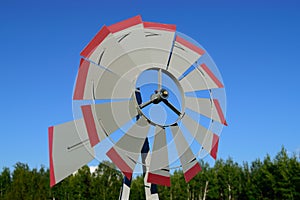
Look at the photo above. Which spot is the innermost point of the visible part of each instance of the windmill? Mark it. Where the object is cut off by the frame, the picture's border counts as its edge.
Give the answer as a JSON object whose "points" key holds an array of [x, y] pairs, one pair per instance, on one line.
{"points": [[153, 94]]}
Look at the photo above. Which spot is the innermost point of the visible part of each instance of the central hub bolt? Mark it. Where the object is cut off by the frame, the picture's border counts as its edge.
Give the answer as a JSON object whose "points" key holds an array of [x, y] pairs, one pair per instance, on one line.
{"points": [[158, 96], [164, 93]]}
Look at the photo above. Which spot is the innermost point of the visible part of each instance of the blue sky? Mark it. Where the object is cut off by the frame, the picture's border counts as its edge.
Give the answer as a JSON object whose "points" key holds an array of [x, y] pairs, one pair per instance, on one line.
{"points": [[256, 47]]}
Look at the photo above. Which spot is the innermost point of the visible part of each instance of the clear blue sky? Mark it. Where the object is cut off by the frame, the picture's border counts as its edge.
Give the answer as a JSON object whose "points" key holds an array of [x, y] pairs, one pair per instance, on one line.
{"points": [[256, 47]]}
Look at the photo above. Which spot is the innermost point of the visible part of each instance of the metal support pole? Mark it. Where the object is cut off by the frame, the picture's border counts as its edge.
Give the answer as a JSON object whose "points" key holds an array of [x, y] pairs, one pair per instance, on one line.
{"points": [[125, 189], [150, 189]]}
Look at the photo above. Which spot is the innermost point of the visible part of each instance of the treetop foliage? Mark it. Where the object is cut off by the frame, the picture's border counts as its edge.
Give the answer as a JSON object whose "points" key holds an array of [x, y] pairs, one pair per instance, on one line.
{"points": [[277, 178]]}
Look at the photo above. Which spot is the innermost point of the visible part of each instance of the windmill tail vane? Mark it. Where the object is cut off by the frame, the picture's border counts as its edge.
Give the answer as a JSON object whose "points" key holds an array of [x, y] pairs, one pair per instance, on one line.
{"points": [[146, 97]]}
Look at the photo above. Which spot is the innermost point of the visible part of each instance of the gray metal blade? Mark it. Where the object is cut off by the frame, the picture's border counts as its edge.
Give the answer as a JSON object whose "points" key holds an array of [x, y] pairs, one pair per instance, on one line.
{"points": [[200, 78], [184, 55], [207, 107], [69, 149], [159, 164], [190, 165], [113, 115], [203, 136], [127, 150]]}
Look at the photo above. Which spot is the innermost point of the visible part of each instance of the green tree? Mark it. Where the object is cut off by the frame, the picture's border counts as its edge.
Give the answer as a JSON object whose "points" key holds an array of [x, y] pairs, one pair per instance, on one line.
{"points": [[163, 192], [5, 183], [285, 175], [268, 179], [200, 184], [62, 190], [81, 183], [267, 182], [213, 187], [137, 189], [179, 188], [294, 169], [106, 181], [39, 184], [21, 183], [247, 187], [228, 179]]}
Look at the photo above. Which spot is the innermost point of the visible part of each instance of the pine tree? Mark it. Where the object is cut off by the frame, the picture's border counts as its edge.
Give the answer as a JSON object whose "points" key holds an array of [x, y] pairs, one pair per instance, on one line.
{"points": [[137, 189], [5, 183], [268, 179]]}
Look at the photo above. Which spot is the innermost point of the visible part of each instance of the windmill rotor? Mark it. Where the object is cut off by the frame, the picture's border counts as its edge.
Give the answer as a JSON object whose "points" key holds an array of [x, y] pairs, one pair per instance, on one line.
{"points": [[146, 97]]}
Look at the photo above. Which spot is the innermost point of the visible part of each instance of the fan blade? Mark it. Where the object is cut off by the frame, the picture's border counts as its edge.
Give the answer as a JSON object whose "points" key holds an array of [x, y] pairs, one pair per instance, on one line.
{"points": [[131, 37], [94, 130], [160, 39], [103, 119], [88, 74], [127, 150], [111, 86], [69, 149], [148, 44], [97, 46], [207, 139], [159, 165], [88, 79], [210, 76], [201, 78], [183, 56], [207, 107], [105, 50], [189, 163]]}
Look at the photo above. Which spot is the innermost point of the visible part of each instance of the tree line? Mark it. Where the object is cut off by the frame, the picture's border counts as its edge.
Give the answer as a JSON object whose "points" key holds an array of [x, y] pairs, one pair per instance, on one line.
{"points": [[277, 178]]}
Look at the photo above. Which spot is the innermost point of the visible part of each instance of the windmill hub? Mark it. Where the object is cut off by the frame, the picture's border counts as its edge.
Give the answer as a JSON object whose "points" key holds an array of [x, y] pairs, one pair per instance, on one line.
{"points": [[157, 89], [158, 96], [164, 93]]}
